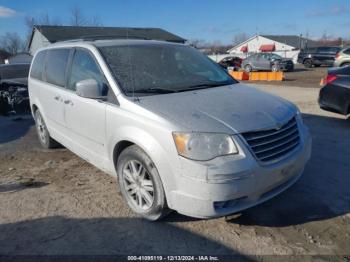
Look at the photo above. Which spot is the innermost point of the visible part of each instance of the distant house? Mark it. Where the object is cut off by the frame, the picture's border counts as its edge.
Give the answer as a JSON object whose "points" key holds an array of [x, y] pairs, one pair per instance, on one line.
{"points": [[285, 45], [20, 58], [43, 35]]}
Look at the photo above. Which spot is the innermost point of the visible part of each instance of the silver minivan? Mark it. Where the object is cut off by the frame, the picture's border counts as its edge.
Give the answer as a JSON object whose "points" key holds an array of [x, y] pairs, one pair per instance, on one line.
{"points": [[170, 124]]}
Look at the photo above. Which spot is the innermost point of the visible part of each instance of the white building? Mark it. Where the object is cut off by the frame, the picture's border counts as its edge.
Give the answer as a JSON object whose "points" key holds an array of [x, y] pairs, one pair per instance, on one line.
{"points": [[287, 46]]}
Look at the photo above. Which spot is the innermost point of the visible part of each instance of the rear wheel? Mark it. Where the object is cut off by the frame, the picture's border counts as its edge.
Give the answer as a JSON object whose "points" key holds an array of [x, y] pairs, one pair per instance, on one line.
{"points": [[308, 63], [248, 68], [140, 184], [43, 134]]}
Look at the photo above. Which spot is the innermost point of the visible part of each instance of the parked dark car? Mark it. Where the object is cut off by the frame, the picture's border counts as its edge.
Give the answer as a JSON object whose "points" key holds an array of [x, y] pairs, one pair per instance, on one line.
{"points": [[13, 88], [317, 56], [231, 62], [335, 93], [267, 62]]}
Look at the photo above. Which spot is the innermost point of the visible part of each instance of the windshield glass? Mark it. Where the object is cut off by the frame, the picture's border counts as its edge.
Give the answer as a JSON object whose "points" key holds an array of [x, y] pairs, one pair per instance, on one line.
{"points": [[162, 68]]}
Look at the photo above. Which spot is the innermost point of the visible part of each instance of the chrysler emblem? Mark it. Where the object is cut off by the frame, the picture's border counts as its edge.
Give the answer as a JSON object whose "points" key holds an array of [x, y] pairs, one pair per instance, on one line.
{"points": [[279, 126]]}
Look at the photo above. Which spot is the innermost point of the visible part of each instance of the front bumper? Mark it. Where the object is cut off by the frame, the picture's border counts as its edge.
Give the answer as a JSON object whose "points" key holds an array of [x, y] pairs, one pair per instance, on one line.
{"points": [[232, 184]]}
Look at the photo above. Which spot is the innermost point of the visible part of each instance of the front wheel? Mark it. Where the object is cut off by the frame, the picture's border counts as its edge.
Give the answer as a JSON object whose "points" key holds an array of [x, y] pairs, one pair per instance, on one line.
{"points": [[308, 63], [140, 184], [275, 68]]}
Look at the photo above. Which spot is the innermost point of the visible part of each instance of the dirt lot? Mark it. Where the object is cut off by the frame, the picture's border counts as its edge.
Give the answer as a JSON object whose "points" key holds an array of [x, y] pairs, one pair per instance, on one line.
{"points": [[301, 76], [52, 202]]}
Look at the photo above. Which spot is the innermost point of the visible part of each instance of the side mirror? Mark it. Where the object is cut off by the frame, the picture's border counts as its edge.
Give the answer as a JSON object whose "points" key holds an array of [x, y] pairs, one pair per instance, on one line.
{"points": [[88, 88]]}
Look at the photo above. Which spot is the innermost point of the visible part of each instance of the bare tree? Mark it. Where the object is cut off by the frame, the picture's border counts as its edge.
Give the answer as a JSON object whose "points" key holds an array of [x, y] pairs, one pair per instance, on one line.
{"points": [[197, 43], [79, 19], [12, 43], [43, 19], [96, 21], [239, 38]]}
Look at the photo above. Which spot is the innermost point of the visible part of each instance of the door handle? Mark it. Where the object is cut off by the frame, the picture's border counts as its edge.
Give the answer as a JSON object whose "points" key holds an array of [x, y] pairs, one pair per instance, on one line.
{"points": [[57, 98], [68, 102]]}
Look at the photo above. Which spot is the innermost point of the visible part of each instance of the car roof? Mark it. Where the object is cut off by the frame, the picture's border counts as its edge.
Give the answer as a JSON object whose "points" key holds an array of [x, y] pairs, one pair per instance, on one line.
{"points": [[108, 42]]}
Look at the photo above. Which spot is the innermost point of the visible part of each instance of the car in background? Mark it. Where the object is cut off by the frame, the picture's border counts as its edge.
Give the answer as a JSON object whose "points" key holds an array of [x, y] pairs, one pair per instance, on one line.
{"points": [[14, 97], [317, 56], [229, 62], [342, 58], [335, 94], [14, 74], [267, 62]]}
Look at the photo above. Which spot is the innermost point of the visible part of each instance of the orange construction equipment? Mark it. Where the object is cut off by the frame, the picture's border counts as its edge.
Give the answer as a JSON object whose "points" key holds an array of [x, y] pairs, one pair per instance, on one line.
{"points": [[266, 76], [257, 76], [239, 75]]}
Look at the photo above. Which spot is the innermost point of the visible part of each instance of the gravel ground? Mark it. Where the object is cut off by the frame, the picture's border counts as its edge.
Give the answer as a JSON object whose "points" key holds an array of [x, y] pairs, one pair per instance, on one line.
{"points": [[52, 202]]}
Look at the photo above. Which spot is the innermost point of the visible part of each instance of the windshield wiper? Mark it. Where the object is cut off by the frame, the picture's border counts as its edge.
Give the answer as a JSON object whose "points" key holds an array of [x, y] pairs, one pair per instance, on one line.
{"points": [[154, 90], [201, 86]]}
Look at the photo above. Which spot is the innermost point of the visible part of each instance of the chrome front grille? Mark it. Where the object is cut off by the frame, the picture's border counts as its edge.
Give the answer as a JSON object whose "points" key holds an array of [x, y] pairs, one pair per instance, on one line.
{"points": [[269, 145]]}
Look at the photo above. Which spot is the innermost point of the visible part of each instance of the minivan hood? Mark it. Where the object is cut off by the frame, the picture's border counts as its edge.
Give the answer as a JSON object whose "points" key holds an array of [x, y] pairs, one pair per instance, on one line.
{"points": [[228, 109]]}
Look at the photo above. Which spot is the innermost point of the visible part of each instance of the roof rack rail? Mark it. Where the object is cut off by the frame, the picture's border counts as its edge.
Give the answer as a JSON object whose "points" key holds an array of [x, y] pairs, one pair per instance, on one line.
{"points": [[104, 37]]}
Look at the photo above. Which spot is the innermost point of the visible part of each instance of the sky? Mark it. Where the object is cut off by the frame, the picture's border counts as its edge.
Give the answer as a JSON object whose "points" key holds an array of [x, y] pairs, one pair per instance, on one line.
{"points": [[209, 20]]}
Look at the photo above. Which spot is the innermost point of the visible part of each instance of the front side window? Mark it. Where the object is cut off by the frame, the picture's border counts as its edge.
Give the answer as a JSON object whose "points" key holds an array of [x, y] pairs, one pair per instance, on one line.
{"points": [[266, 56], [84, 67], [162, 68], [38, 65], [56, 64]]}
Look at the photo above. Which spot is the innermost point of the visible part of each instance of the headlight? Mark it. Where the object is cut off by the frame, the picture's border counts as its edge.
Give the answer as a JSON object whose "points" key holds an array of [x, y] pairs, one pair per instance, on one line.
{"points": [[204, 146]]}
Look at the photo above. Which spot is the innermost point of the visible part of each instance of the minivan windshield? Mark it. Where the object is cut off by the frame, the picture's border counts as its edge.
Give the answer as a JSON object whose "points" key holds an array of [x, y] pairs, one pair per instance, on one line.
{"points": [[162, 68]]}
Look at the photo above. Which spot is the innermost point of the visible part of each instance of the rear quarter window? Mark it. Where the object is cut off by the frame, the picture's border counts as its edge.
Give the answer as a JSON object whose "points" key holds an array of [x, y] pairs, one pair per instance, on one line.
{"points": [[38, 66], [56, 64]]}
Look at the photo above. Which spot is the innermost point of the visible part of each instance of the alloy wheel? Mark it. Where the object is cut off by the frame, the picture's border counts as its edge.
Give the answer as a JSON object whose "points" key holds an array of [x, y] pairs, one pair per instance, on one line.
{"points": [[41, 128], [138, 184]]}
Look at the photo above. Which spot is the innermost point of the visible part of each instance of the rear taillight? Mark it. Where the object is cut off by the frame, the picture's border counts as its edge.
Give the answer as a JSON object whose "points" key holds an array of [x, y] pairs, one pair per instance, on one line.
{"points": [[337, 55], [328, 79]]}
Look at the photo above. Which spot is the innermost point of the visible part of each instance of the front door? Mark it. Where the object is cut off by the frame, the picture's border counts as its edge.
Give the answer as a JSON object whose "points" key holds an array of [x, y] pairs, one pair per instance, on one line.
{"points": [[85, 117]]}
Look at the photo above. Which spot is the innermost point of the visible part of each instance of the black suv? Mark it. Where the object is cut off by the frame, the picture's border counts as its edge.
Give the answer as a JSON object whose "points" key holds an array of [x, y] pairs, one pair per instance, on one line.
{"points": [[318, 56]]}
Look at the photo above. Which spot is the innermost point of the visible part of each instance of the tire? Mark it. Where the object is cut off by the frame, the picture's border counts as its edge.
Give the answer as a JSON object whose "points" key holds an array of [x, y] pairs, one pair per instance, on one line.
{"points": [[308, 63], [140, 184], [248, 68], [45, 139], [275, 68], [345, 64]]}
